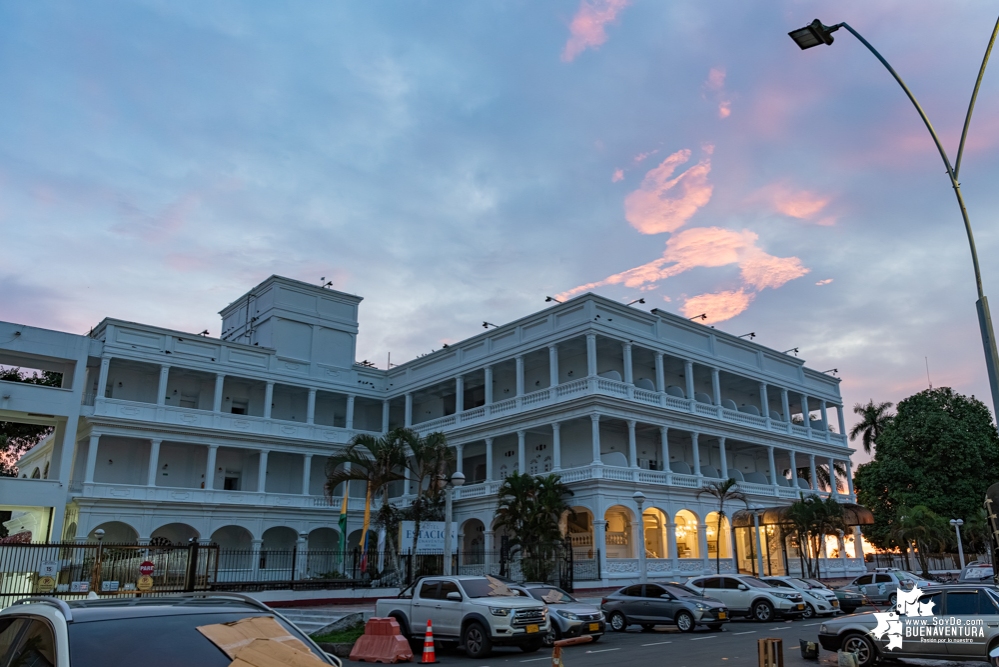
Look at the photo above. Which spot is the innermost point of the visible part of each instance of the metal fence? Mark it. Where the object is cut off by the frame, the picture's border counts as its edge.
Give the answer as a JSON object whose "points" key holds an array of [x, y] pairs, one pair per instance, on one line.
{"points": [[935, 562]]}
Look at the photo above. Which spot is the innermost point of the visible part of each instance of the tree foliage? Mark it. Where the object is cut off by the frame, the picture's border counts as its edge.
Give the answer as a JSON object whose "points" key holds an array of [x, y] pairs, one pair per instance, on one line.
{"points": [[874, 417], [940, 451], [811, 520], [723, 492], [529, 510], [17, 438]]}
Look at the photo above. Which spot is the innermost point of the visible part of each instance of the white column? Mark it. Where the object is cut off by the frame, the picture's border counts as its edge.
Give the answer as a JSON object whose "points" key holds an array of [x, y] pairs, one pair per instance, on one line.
{"points": [[664, 445], [595, 439], [724, 457], [697, 452], [849, 477], [487, 548], [715, 386], [764, 400], [632, 445], [556, 446], [489, 385], [88, 477], [785, 405], [591, 354], [407, 477], [459, 394], [794, 468], [688, 376], [811, 465], [102, 378], [306, 473], [832, 477], [213, 451], [671, 539], [408, 420], [858, 543], [489, 460], [773, 466], [824, 413], [521, 458], [553, 365], [842, 421], [386, 408], [262, 472], [804, 414], [219, 388], [154, 462], [520, 374], [268, 399], [629, 369], [459, 458], [162, 389], [660, 373], [350, 411], [310, 408]]}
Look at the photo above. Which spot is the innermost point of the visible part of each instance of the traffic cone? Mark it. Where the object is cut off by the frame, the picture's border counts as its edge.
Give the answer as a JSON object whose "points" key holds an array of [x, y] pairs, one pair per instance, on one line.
{"points": [[429, 657]]}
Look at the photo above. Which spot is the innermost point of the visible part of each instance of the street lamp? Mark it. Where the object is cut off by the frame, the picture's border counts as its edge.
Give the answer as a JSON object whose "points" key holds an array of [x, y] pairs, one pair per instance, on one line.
{"points": [[957, 523], [456, 480], [639, 499], [757, 513], [816, 33]]}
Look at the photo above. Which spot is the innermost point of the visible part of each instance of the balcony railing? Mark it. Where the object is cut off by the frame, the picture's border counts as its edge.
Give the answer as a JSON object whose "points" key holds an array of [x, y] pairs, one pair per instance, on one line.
{"points": [[607, 387]]}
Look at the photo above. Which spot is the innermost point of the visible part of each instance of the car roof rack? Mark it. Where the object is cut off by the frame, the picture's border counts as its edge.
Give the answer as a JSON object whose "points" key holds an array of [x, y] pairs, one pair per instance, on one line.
{"points": [[50, 601]]}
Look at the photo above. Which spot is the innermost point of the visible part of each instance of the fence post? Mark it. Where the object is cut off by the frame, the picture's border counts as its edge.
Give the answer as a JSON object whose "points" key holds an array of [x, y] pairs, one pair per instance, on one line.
{"points": [[353, 568], [191, 576], [600, 575], [294, 559], [409, 569]]}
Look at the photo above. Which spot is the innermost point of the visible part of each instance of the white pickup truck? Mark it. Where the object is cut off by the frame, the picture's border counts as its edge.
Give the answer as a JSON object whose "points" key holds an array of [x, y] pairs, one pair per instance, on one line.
{"points": [[476, 612]]}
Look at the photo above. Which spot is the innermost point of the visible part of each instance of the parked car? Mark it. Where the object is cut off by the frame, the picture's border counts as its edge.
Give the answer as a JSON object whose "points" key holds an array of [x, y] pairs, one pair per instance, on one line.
{"points": [[848, 602], [968, 604], [880, 586], [649, 605], [819, 600], [152, 632], [748, 596], [976, 573], [567, 616], [474, 612]]}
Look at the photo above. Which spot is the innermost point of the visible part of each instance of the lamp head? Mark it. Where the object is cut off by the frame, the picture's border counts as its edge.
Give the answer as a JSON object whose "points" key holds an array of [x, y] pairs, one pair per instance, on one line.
{"points": [[956, 522], [99, 534], [813, 34], [639, 498], [457, 479]]}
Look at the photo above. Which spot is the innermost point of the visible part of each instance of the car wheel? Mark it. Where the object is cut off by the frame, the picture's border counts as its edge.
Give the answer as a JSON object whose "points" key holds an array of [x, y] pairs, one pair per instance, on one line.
{"points": [[809, 611], [892, 600], [532, 647], [715, 627], [618, 622], [763, 611], [595, 639], [685, 622], [476, 641], [648, 627], [862, 647]]}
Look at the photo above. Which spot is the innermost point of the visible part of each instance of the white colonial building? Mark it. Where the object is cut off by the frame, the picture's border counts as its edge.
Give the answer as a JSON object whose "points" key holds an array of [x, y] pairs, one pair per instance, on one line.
{"points": [[161, 433]]}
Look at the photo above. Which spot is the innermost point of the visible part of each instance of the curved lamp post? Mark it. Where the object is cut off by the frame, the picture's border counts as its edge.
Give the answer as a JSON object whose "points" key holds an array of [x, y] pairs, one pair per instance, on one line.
{"points": [[456, 479], [815, 34], [957, 523], [639, 499]]}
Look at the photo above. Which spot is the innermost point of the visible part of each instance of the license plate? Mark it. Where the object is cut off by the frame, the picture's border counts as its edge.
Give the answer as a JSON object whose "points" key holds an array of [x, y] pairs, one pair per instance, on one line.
{"points": [[801, 607], [532, 628], [722, 615], [594, 627]]}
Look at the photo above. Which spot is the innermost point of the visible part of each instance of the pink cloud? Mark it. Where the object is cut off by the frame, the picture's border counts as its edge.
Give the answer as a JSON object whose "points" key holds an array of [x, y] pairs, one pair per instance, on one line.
{"points": [[725, 109], [714, 87], [716, 79], [641, 156], [794, 203], [618, 176], [718, 306], [587, 28], [824, 282], [664, 204]]}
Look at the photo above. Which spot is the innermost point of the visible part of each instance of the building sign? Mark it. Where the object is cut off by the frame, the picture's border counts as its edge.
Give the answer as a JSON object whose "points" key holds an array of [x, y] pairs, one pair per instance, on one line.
{"points": [[79, 587], [431, 537], [48, 568], [46, 584], [109, 586]]}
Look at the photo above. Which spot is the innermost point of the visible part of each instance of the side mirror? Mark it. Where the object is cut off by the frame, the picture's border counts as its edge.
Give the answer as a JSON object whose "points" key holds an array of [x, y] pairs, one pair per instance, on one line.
{"points": [[454, 595], [666, 596], [743, 587]]}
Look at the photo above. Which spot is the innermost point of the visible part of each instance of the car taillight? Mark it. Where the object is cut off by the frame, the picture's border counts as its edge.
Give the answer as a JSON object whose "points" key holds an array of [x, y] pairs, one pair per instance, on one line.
{"points": [[603, 601]]}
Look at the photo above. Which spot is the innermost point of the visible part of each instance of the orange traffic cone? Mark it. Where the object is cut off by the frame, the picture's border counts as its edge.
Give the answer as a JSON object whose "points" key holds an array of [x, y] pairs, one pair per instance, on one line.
{"points": [[429, 657]]}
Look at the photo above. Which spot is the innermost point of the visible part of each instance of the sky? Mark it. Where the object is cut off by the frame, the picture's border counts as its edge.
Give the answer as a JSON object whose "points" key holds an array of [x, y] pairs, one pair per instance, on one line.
{"points": [[455, 162]]}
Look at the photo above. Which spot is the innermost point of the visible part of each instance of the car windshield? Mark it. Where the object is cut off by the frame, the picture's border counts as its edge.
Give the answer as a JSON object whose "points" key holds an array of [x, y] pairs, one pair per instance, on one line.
{"points": [[804, 583], [812, 583], [488, 587], [908, 577], [681, 591], [755, 583], [151, 641], [551, 595]]}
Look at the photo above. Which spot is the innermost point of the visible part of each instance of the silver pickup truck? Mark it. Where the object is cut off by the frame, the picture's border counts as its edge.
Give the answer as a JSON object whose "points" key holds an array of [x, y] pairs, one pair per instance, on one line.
{"points": [[475, 612]]}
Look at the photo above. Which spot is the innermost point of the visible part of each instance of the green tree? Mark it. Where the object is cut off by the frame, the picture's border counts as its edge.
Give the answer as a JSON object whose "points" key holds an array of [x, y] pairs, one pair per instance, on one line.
{"points": [[17, 438], [812, 519], [430, 464], [923, 526], [941, 450], [723, 492], [529, 509], [874, 417]]}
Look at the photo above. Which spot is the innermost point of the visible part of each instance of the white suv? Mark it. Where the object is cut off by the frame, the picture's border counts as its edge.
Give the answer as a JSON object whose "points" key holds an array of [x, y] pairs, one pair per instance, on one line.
{"points": [[818, 601], [752, 597]]}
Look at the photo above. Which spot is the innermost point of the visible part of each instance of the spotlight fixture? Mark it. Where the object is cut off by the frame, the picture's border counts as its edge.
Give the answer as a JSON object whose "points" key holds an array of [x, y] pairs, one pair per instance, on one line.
{"points": [[204, 333], [637, 301], [793, 349], [702, 316], [751, 335], [832, 370], [551, 298], [486, 325]]}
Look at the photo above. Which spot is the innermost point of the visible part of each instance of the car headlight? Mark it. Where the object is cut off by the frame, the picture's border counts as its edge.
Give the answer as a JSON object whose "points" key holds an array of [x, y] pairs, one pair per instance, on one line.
{"points": [[701, 606], [785, 596], [499, 611], [567, 614], [822, 629]]}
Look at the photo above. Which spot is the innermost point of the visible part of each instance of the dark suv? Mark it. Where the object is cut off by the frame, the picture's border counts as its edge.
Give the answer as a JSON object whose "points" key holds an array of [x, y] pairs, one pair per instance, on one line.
{"points": [[150, 631]]}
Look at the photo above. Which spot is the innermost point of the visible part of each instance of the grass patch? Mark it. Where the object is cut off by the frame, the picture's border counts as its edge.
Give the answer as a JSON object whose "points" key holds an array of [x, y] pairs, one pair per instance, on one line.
{"points": [[348, 636]]}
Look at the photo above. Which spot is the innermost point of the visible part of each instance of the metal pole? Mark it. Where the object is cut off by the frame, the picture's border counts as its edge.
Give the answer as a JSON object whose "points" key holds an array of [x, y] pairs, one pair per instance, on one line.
{"points": [[957, 523], [642, 565], [759, 547], [448, 491], [984, 317]]}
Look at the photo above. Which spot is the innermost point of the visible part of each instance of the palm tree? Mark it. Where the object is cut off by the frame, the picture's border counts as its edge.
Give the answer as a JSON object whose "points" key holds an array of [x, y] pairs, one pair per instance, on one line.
{"points": [[822, 475], [812, 519], [430, 464], [722, 492], [529, 509], [923, 526], [874, 418]]}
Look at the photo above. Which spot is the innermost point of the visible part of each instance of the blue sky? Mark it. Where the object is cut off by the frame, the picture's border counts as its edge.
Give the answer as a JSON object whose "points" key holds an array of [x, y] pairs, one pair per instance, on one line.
{"points": [[455, 162]]}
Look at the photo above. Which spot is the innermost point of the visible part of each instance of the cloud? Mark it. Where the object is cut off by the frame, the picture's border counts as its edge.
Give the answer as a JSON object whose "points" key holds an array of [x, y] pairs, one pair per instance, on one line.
{"points": [[664, 204], [641, 156], [618, 176], [824, 282], [587, 27], [725, 109], [709, 247], [714, 87], [794, 203], [718, 306]]}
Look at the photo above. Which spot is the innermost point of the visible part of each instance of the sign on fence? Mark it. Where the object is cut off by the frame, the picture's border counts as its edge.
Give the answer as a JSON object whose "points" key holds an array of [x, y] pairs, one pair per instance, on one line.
{"points": [[431, 537]]}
